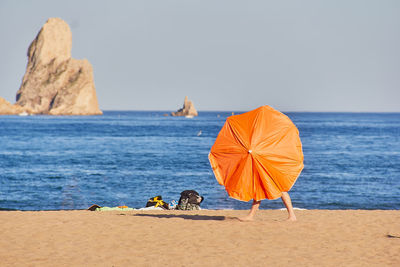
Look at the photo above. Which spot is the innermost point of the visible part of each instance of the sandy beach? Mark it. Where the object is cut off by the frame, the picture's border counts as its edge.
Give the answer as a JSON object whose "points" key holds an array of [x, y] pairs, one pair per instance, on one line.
{"points": [[199, 238]]}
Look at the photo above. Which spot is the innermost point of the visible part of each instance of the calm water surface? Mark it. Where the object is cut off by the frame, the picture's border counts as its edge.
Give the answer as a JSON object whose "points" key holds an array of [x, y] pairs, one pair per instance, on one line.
{"points": [[352, 160]]}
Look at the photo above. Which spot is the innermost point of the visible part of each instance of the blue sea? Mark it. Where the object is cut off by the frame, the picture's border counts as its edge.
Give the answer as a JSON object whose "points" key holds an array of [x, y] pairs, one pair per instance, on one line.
{"points": [[352, 160]]}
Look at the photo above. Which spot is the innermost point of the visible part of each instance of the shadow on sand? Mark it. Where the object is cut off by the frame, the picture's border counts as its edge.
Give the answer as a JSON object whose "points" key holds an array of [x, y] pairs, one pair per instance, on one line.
{"points": [[184, 216]]}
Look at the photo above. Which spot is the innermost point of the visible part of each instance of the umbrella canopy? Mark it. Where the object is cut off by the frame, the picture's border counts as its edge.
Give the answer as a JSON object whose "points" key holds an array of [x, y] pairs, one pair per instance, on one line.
{"points": [[257, 155]]}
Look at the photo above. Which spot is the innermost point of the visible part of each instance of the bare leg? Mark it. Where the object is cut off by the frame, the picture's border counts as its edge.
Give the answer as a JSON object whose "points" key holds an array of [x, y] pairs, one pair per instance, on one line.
{"points": [[252, 212], [288, 204]]}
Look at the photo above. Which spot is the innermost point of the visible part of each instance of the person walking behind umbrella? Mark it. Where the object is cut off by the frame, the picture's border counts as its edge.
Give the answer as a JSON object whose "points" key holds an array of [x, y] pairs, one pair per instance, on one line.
{"points": [[256, 204], [258, 155]]}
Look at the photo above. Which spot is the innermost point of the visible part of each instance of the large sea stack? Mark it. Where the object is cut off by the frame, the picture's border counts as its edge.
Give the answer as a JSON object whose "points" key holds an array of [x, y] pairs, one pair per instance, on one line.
{"points": [[188, 109], [54, 83]]}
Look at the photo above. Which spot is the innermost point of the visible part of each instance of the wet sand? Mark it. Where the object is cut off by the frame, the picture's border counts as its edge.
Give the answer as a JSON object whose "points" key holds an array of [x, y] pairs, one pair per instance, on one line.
{"points": [[199, 238]]}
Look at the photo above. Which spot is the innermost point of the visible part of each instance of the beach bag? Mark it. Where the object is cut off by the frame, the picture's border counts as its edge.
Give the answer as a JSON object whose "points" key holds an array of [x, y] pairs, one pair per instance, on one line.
{"points": [[157, 202], [189, 200]]}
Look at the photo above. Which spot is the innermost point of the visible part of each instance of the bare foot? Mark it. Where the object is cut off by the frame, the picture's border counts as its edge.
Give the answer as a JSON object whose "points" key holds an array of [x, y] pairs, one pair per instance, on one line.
{"points": [[291, 219], [246, 218], [250, 216]]}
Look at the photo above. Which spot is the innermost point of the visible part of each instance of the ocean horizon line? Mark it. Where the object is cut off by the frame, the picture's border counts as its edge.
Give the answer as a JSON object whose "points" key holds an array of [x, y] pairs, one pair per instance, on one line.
{"points": [[283, 111]]}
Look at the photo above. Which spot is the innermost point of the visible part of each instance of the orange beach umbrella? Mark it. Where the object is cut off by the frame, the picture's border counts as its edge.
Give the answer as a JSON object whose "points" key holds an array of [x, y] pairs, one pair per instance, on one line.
{"points": [[257, 155]]}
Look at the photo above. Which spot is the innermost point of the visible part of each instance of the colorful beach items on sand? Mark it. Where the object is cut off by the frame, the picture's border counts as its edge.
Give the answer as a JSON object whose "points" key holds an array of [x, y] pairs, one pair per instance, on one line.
{"points": [[257, 155], [157, 202], [96, 207]]}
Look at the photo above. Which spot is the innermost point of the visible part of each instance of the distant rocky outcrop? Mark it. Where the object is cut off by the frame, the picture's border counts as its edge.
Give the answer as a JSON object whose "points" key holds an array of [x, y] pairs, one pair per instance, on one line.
{"points": [[54, 83], [188, 109], [6, 108]]}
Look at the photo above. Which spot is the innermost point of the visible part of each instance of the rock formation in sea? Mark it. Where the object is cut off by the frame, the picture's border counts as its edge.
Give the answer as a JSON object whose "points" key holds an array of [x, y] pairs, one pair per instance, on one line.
{"points": [[54, 83], [188, 109], [6, 108]]}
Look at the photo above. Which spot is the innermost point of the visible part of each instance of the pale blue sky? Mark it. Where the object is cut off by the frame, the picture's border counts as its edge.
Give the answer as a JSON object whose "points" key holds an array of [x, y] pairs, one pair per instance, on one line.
{"points": [[225, 55]]}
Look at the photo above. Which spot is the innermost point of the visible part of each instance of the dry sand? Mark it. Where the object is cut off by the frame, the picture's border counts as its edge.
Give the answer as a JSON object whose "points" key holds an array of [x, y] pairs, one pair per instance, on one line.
{"points": [[199, 238]]}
